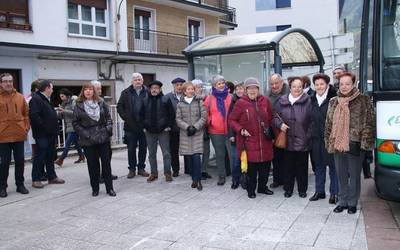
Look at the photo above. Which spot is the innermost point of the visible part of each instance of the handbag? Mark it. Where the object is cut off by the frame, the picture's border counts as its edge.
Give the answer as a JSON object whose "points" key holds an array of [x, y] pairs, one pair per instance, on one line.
{"points": [[281, 137]]}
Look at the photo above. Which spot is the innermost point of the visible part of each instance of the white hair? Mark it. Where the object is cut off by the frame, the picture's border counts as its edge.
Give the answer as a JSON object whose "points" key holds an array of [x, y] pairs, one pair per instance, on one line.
{"points": [[217, 78], [197, 82], [95, 83], [137, 75]]}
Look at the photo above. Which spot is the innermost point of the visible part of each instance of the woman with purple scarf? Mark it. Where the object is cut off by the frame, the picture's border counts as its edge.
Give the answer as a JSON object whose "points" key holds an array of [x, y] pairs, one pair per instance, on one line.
{"points": [[217, 105]]}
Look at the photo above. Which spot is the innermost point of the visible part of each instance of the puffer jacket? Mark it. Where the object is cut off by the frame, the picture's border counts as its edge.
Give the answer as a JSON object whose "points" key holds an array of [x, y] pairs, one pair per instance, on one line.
{"points": [[164, 116], [193, 114], [68, 114], [254, 116], [298, 118], [362, 122], [216, 124], [92, 132], [14, 118]]}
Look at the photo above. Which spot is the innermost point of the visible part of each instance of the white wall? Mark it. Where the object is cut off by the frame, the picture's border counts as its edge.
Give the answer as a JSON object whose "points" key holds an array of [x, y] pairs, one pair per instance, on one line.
{"points": [[316, 16], [27, 67], [50, 27]]}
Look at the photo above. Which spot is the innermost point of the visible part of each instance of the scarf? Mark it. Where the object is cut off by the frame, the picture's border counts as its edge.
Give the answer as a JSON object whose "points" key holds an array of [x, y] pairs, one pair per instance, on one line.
{"points": [[189, 99], [92, 109], [321, 99], [341, 121], [293, 99], [220, 96]]}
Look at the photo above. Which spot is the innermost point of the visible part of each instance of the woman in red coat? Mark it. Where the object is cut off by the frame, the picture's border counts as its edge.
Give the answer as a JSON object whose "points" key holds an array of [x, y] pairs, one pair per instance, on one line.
{"points": [[252, 115]]}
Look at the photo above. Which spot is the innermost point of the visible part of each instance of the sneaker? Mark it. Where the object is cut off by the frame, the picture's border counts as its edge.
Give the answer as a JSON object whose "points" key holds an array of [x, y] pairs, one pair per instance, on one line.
{"points": [[168, 178], [56, 181], [152, 178], [22, 189], [3, 193], [143, 173], [37, 184], [131, 174]]}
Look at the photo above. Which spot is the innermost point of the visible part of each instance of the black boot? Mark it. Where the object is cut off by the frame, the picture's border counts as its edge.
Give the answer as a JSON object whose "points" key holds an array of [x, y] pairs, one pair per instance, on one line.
{"points": [[317, 196]]}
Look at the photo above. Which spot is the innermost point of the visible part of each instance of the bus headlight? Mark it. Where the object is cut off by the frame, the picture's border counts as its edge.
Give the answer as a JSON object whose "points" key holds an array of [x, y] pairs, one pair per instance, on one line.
{"points": [[390, 147]]}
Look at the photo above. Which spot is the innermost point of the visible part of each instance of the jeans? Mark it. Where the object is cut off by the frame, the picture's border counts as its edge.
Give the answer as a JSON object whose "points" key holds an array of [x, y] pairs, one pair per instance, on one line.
{"points": [[17, 149], [93, 153], [195, 162], [71, 137], [296, 167], [44, 154], [152, 142], [262, 169], [320, 177], [221, 145], [236, 171], [134, 138], [348, 169]]}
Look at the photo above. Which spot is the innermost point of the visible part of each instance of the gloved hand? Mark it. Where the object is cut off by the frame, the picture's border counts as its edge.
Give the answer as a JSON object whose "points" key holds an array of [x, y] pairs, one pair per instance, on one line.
{"points": [[191, 130]]}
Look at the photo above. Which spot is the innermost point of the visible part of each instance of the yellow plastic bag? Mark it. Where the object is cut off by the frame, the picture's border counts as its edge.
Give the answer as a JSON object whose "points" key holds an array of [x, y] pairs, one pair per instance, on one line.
{"points": [[243, 161]]}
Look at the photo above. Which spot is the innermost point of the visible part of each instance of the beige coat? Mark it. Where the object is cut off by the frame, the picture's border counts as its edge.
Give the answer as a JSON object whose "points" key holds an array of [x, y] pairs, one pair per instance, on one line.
{"points": [[191, 114]]}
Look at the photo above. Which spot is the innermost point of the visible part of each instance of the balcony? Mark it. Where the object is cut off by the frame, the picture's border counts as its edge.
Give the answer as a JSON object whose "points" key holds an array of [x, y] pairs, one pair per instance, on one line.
{"points": [[229, 20], [157, 42]]}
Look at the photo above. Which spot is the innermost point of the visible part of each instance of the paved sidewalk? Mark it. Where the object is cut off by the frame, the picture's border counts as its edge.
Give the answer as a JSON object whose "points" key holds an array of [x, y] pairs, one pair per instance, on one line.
{"points": [[164, 215]]}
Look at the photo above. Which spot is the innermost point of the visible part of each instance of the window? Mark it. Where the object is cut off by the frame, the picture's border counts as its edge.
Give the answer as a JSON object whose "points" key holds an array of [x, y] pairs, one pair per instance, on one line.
{"points": [[264, 29], [194, 30], [142, 24], [88, 18], [14, 14], [272, 4]]}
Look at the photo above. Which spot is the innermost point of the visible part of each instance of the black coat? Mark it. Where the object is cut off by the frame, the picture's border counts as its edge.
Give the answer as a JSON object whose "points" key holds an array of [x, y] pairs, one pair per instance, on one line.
{"points": [[174, 101], [318, 115], [157, 113], [43, 117], [92, 132], [129, 106]]}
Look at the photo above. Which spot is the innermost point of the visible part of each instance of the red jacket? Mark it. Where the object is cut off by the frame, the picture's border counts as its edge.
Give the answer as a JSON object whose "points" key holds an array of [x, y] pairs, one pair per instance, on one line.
{"points": [[216, 124], [244, 116]]}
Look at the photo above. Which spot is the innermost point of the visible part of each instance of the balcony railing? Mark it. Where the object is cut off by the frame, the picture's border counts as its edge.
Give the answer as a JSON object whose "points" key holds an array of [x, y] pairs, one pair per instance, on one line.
{"points": [[157, 42], [230, 18]]}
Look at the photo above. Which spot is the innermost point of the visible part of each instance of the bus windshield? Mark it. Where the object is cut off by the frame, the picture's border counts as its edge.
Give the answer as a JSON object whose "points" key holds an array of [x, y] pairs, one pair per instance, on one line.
{"points": [[391, 45]]}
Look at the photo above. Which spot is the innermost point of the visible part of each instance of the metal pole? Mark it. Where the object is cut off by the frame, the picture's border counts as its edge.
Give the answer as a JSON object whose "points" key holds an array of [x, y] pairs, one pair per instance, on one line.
{"points": [[277, 61], [191, 73], [332, 47], [267, 68]]}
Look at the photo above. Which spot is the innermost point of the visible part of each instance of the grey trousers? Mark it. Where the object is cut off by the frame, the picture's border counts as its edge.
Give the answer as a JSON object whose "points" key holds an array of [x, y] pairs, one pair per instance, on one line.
{"points": [[348, 169], [206, 155], [152, 141], [221, 145]]}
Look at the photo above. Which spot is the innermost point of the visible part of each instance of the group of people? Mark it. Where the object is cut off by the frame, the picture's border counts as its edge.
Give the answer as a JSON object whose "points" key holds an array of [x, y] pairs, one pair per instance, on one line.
{"points": [[333, 125]]}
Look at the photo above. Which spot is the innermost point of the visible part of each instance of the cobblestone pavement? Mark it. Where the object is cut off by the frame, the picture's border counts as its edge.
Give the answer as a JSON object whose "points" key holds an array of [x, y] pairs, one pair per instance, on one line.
{"points": [[164, 215]]}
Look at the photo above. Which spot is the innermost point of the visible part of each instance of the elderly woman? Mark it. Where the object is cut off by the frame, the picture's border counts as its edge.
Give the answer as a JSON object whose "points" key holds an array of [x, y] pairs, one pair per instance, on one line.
{"points": [[251, 116], [321, 158], [293, 116], [65, 111], [350, 131], [92, 122], [217, 105], [191, 117]]}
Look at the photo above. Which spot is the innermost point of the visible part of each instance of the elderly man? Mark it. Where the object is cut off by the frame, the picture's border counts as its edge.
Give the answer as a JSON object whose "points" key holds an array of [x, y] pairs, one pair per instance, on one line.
{"points": [[277, 89], [14, 126], [128, 107], [44, 123], [157, 116], [337, 71], [175, 97]]}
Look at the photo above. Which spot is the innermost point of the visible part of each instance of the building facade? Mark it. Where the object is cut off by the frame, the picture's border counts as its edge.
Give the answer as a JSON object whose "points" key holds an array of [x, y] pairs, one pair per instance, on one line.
{"points": [[73, 41]]}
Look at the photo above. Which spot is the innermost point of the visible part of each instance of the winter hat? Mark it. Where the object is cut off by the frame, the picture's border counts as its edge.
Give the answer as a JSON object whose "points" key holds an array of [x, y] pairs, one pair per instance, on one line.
{"points": [[155, 82], [178, 79], [251, 81]]}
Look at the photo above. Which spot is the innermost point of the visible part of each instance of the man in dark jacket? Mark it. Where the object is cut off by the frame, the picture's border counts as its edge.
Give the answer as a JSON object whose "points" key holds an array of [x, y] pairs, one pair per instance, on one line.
{"points": [[277, 89], [44, 124], [128, 107], [158, 115], [175, 97]]}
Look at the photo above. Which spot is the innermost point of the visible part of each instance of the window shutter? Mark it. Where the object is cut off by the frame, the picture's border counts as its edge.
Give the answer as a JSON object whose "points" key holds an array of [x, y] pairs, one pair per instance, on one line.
{"points": [[142, 13], [99, 4], [19, 7], [194, 23]]}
